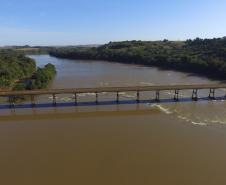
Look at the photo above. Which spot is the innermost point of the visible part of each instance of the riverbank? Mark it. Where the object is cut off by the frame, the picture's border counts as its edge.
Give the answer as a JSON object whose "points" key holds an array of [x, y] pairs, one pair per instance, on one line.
{"points": [[204, 57]]}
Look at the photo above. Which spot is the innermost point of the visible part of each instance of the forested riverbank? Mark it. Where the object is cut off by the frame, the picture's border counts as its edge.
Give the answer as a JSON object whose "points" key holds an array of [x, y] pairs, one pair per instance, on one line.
{"points": [[201, 56], [18, 72]]}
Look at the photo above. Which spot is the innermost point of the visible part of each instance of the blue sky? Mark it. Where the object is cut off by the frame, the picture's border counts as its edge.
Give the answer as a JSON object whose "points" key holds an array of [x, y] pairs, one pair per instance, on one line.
{"points": [[71, 22]]}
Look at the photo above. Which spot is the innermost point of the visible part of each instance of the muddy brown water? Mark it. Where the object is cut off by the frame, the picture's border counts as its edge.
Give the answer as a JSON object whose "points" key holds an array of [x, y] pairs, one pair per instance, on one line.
{"points": [[125, 144]]}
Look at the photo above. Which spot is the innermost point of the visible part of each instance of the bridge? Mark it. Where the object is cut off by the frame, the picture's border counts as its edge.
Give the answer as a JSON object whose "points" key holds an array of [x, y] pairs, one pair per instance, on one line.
{"points": [[117, 90]]}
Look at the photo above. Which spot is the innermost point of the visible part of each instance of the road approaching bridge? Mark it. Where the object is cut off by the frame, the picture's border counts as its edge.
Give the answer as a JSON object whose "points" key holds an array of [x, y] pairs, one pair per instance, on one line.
{"points": [[157, 88]]}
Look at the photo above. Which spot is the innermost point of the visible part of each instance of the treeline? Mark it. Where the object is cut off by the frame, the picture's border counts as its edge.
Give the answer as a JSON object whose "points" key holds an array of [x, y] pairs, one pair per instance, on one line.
{"points": [[26, 49], [203, 56], [19, 72]]}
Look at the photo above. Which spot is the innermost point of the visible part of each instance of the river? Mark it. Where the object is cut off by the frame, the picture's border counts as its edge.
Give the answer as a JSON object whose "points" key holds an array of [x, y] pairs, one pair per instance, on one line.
{"points": [[127, 143]]}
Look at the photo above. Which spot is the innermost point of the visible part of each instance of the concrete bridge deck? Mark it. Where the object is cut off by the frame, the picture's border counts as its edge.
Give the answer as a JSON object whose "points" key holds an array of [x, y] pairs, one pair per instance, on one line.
{"points": [[157, 88], [114, 89]]}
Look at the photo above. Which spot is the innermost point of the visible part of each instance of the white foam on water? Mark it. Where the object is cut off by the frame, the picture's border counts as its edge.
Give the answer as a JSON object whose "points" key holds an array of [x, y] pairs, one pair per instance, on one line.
{"points": [[125, 95], [129, 96], [218, 122], [214, 121], [199, 124], [162, 109], [66, 99], [184, 118], [181, 95], [184, 96], [169, 93], [86, 94], [190, 120], [122, 93], [222, 122], [195, 120], [204, 122], [82, 95], [51, 98], [91, 94], [104, 93]]}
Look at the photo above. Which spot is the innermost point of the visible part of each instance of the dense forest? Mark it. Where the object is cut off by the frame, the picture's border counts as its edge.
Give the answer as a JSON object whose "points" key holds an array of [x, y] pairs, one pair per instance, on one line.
{"points": [[19, 72], [13, 67], [202, 56]]}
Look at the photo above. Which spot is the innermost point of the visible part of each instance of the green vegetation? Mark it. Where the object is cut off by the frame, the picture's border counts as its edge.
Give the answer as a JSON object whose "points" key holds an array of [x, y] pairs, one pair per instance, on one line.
{"points": [[42, 77], [202, 56], [18, 72], [14, 67], [28, 49], [39, 80]]}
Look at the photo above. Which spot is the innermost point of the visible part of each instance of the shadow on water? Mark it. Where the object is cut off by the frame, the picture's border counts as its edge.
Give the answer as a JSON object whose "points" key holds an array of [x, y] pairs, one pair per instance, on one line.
{"points": [[105, 103]]}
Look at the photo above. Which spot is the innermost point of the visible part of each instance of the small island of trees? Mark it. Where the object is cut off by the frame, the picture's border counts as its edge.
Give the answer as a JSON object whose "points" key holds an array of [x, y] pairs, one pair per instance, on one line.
{"points": [[18, 72]]}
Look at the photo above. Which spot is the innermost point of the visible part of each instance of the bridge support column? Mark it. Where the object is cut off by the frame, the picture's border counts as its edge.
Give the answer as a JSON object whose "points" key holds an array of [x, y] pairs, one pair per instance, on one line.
{"points": [[138, 96], [76, 99], [54, 100], [176, 96], [32, 100], [96, 97], [195, 95], [11, 102], [212, 94], [157, 98], [117, 98]]}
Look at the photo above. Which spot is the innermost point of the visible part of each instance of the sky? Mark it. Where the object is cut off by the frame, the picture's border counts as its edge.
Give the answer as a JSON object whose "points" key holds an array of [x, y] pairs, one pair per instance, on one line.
{"points": [[75, 22]]}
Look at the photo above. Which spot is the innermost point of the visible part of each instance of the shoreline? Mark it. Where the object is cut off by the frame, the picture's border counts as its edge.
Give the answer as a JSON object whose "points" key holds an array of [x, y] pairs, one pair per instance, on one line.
{"points": [[163, 68]]}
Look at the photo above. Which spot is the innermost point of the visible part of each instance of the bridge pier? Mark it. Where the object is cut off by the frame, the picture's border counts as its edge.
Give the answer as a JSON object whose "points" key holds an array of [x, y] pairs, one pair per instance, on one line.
{"points": [[97, 98], [138, 96], [195, 95], [76, 99], [117, 98], [157, 97], [212, 94], [32, 100], [11, 102], [176, 96], [54, 100]]}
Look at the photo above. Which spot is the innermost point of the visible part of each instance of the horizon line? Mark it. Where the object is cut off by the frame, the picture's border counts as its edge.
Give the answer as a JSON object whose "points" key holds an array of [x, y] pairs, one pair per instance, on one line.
{"points": [[95, 45]]}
